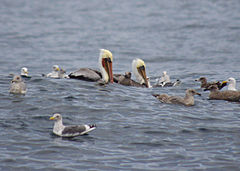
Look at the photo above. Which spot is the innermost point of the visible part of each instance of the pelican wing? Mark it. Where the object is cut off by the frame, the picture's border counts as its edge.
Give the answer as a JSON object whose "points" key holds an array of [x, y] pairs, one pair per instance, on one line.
{"points": [[86, 74]]}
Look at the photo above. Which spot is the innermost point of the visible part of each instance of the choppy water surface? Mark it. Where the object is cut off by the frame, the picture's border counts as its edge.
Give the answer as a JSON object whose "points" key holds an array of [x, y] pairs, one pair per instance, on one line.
{"points": [[189, 39]]}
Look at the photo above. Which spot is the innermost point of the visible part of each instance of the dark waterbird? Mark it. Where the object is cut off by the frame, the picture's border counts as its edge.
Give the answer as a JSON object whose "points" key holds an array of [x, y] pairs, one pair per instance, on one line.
{"points": [[206, 85]]}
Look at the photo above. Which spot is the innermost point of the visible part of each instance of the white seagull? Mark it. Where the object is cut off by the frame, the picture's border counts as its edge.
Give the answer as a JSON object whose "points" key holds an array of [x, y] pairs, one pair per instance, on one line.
{"points": [[231, 84], [69, 131]]}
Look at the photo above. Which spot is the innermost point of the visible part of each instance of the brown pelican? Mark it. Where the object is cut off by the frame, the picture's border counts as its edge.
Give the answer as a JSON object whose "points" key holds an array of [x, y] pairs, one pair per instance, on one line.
{"points": [[188, 100], [228, 95], [69, 131], [139, 70], [206, 85], [105, 65], [17, 85]]}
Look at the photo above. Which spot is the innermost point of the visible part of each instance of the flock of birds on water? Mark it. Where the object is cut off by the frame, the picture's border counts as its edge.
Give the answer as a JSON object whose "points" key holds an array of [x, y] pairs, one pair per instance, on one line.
{"points": [[106, 76]]}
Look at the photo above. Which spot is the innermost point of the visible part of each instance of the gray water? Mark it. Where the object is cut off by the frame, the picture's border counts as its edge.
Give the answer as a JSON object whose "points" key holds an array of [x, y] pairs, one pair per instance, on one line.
{"points": [[134, 131]]}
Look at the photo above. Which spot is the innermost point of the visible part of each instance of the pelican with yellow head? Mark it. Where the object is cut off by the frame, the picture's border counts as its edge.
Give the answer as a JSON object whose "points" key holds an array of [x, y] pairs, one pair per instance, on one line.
{"points": [[105, 66], [139, 70]]}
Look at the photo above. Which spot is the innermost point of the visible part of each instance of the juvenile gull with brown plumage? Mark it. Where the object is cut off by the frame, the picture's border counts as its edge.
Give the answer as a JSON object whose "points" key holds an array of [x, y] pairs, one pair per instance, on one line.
{"points": [[188, 100], [17, 85], [206, 85], [69, 131], [229, 95]]}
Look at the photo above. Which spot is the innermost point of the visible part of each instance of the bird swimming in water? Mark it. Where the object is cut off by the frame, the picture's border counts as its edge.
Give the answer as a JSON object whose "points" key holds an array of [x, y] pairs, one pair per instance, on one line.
{"points": [[17, 85], [57, 73], [139, 70], [165, 81], [231, 82], [69, 131], [206, 85], [188, 100], [105, 65], [24, 72], [228, 95]]}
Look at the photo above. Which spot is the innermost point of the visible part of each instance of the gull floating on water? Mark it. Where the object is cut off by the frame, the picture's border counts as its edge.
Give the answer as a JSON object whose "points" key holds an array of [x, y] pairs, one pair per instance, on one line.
{"points": [[206, 85], [228, 95], [57, 73], [105, 65], [231, 83], [188, 100], [69, 131], [17, 85], [24, 72], [165, 81]]}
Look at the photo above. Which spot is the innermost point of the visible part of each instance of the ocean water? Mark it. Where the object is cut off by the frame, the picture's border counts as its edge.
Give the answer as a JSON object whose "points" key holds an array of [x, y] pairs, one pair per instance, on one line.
{"points": [[188, 39]]}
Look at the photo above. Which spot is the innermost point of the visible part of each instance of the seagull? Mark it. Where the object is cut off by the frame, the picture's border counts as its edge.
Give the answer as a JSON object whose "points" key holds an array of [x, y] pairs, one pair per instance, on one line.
{"points": [[228, 95], [69, 131], [231, 83], [57, 73], [188, 100], [17, 85], [24, 72], [165, 81], [206, 85]]}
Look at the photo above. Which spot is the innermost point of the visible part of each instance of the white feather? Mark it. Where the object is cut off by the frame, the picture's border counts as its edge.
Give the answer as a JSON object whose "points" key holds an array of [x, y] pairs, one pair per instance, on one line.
{"points": [[232, 84], [138, 77], [103, 71]]}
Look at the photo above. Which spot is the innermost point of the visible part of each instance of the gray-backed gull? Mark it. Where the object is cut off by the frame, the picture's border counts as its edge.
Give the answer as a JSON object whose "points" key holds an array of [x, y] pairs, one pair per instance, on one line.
{"points": [[69, 131]]}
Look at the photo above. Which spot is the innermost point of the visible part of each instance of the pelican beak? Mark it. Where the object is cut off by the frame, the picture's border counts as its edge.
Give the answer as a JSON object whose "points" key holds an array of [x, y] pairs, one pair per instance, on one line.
{"points": [[51, 118], [107, 64], [142, 72]]}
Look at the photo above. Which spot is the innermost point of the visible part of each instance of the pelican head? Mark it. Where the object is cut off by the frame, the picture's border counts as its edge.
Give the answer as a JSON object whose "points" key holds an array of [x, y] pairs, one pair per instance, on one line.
{"points": [[139, 70], [24, 71], [105, 64], [56, 68]]}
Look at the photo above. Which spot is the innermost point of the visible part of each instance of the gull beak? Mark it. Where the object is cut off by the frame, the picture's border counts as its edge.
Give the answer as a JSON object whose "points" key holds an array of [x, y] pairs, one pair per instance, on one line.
{"points": [[51, 118]]}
